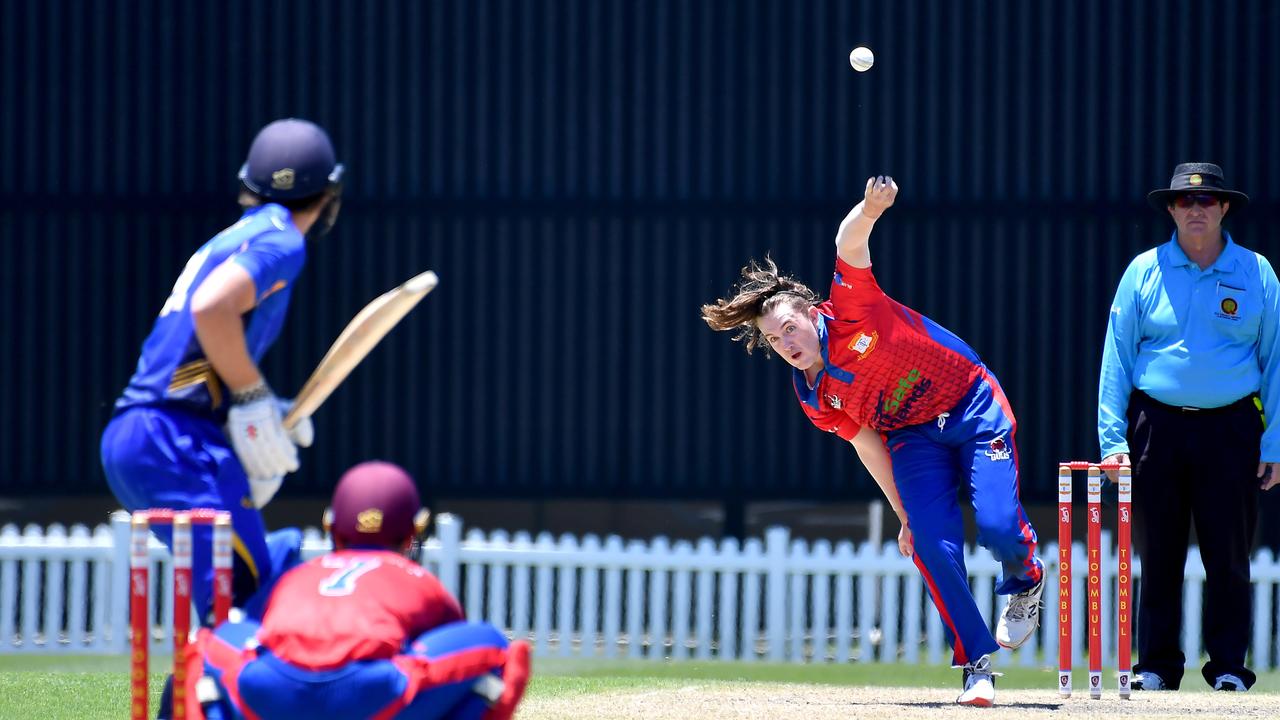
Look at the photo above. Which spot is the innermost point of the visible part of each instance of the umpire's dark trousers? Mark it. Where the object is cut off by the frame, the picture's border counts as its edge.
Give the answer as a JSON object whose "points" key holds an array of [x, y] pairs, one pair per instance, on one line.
{"points": [[1194, 465]]}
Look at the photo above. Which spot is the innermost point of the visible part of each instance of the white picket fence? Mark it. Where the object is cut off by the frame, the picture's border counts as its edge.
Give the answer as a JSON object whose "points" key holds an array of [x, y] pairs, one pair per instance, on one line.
{"points": [[776, 599]]}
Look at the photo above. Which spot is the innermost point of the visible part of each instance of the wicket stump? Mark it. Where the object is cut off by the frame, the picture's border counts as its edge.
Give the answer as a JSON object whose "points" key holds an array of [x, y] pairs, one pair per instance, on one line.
{"points": [[1093, 593], [140, 585]]}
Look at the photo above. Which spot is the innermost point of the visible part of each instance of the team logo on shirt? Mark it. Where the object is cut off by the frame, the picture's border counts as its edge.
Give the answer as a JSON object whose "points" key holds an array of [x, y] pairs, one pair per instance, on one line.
{"points": [[998, 449], [835, 402], [863, 344], [1230, 306]]}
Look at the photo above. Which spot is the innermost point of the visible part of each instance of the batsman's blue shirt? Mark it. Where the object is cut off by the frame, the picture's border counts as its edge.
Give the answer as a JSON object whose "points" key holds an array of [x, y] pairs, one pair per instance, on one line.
{"points": [[173, 369], [1193, 338]]}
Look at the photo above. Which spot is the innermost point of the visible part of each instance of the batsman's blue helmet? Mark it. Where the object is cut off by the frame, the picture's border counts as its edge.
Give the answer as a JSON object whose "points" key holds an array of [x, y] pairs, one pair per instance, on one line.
{"points": [[290, 159]]}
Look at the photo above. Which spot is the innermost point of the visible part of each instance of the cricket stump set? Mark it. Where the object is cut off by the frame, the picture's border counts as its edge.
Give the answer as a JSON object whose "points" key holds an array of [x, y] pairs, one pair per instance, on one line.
{"points": [[1093, 592], [139, 588]]}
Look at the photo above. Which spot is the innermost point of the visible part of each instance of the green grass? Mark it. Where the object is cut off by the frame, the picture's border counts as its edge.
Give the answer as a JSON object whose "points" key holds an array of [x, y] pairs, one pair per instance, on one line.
{"points": [[89, 687]]}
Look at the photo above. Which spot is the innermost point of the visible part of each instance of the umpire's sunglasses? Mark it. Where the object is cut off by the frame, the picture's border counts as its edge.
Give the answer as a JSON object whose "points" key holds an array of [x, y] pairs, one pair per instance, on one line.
{"points": [[1202, 199]]}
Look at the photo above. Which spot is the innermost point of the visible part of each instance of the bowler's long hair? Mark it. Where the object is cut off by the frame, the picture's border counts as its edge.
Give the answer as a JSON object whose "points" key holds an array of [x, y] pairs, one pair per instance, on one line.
{"points": [[760, 291]]}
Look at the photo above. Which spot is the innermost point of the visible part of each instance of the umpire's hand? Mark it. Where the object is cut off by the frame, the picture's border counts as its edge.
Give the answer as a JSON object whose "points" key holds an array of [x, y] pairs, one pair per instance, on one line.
{"points": [[1117, 459], [1270, 474]]}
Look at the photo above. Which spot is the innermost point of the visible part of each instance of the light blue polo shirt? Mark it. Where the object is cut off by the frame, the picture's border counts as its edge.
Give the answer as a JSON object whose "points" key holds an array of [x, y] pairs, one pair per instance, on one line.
{"points": [[1191, 337]]}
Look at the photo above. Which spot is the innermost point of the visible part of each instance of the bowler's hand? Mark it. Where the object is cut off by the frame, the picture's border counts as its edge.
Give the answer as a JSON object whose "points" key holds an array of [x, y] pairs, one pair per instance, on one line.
{"points": [[880, 194], [1118, 459], [1270, 474], [905, 543]]}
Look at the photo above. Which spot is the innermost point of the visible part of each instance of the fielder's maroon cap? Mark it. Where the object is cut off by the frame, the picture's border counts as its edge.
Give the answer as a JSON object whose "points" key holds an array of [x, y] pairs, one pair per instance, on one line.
{"points": [[375, 504]]}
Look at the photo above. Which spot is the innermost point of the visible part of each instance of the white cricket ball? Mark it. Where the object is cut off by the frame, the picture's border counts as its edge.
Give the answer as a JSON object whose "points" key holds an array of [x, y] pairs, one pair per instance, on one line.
{"points": [[861, 58]]}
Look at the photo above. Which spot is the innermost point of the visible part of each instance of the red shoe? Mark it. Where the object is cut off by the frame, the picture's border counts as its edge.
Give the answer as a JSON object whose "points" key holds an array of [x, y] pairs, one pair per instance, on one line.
{"points": [[515, 676]]}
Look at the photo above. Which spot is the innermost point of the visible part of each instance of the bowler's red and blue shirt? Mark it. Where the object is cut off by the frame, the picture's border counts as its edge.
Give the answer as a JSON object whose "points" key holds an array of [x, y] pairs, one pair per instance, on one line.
{"points": [[886, 365], [352, 605]]}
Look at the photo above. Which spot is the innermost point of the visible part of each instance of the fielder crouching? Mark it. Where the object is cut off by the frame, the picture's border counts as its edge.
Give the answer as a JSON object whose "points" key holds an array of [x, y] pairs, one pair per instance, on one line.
{"points": [[362, 632]]}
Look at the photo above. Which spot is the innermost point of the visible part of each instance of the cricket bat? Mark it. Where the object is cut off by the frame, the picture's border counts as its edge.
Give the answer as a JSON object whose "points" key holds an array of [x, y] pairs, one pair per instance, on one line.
{"points": [[365, 330]]}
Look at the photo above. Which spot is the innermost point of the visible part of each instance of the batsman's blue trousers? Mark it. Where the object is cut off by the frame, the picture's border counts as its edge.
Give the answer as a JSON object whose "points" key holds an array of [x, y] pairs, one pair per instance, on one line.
{"points": [[167, 457], [970, 449]]}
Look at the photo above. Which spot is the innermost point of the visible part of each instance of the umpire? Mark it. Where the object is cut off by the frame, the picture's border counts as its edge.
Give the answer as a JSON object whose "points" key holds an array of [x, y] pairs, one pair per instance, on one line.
{"points": [[1189, 366]]}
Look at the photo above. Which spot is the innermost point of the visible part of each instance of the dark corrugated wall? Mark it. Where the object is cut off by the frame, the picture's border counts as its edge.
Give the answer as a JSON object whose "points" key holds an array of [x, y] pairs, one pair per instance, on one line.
{"points": [[583, 175]]}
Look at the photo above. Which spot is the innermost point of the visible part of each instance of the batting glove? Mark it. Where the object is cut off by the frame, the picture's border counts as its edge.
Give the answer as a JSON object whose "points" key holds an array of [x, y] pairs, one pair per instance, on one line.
{"points": [[263, 489], [303, 433], [255, 427]]}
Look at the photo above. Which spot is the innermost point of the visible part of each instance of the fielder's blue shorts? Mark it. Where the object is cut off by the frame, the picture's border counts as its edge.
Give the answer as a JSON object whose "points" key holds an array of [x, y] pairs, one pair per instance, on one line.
{"points": [[167, 457], [261, 685], [972, 449]]}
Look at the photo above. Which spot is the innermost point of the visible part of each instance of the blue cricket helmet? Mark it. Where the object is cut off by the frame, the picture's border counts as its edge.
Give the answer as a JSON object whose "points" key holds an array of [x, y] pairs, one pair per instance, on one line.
{"points": [[290, 159]]}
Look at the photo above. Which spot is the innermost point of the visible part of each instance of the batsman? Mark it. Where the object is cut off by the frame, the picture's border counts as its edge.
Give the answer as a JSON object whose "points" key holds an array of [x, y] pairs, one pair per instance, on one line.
{"points": [[198, 426]]}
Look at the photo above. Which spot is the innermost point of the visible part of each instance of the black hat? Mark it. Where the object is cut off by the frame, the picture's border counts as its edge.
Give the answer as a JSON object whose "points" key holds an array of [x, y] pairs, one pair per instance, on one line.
{"points": [[1196, 178], [290, 159]]}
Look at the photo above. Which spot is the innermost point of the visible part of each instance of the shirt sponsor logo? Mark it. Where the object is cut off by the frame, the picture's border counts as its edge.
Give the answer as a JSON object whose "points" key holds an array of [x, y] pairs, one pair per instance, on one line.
{"points": [[1229, 309], [998, 449], [894, 406], [863, 344], [835, 402]]}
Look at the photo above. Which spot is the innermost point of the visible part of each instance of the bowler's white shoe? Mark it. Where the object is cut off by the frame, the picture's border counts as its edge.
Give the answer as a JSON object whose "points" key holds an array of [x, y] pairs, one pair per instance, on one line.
{"points": [[1020, 617], [979, 684]]}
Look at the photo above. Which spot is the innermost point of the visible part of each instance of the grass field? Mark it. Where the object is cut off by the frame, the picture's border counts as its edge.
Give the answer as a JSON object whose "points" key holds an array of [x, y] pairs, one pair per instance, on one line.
{"points": [[80, 688]]}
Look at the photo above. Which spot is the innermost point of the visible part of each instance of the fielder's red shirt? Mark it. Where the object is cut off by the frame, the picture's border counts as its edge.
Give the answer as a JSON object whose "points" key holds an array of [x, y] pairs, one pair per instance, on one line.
{"points": [[887, 366], [352, 605]]}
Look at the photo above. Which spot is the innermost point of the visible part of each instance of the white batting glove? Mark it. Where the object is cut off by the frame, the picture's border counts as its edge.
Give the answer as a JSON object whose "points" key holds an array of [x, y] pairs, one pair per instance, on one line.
{"points": [[256, 430], [303, 433], [263, 489]]}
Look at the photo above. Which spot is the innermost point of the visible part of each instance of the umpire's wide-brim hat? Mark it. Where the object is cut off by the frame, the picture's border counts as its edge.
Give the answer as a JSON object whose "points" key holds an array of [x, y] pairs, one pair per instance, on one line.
{"points": [[1197, 178]]}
